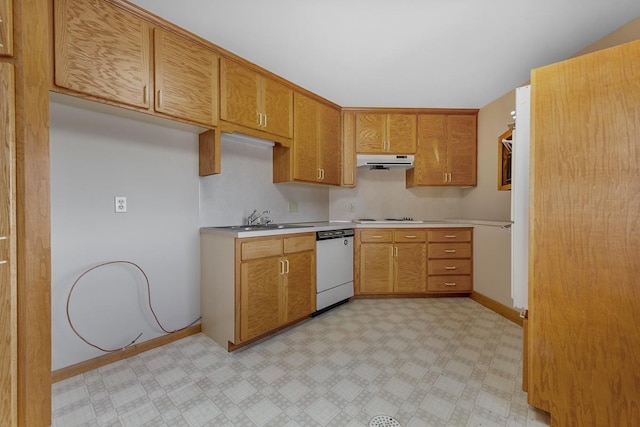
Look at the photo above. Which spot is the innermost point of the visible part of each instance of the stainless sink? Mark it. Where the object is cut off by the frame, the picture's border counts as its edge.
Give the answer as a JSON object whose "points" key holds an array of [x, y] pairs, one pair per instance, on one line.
{"points": [[259, 227]]}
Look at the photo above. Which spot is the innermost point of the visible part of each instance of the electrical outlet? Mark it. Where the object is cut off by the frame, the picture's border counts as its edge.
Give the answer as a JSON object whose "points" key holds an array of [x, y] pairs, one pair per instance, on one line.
{"points": [[351, 207], [120, 204], [293, 206]]}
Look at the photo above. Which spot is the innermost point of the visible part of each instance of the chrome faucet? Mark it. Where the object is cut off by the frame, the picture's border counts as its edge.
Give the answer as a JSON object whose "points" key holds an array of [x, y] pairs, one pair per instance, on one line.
{"points": [[255, 216]]}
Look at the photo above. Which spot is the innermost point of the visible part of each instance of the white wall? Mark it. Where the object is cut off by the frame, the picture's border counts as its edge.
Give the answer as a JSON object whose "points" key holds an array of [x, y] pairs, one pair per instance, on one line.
{"points": [[95, 157], [382, 194], [485, 201], [246, 183]]}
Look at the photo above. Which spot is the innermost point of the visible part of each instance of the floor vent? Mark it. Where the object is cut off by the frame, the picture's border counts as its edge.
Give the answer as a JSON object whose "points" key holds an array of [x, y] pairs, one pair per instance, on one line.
{"points": [[384, 421]]}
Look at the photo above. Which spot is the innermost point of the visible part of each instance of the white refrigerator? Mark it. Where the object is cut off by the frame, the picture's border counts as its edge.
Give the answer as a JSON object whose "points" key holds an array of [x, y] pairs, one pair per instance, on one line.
{"points": [[520, 199]]}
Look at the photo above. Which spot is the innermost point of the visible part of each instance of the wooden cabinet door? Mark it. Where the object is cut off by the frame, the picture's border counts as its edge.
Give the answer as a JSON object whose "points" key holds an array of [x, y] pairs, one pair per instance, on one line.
{"points": [[305, 139], [348, 150], [431, 153], [584, 200], [329, 144], [239, 87], [186, 79], [410, 267], [8, 284], [299, 286], [401, 133], [461, 149], [102, 51], [277, 108], [260, 296], [376, 268], [371, 131], [6, 27]]}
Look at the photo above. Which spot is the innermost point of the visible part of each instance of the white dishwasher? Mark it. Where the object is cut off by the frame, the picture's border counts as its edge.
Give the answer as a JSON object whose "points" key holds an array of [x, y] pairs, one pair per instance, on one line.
{"points": [[334, 268]]}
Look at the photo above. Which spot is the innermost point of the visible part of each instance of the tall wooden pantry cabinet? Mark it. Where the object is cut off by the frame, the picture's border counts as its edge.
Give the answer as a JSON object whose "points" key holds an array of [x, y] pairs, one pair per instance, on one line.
{"points": [[25, 315], [584, 239]]}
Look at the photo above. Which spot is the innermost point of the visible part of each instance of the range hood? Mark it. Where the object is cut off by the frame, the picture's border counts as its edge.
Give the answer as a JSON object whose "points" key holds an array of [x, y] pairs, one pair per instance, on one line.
{"points": [[385, 161]]}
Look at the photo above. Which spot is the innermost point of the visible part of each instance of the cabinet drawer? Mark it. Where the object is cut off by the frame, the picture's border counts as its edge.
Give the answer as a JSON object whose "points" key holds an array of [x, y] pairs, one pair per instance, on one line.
{"points": [[450, 235], [449, 284], [376, 236], [253, 249], [299, 243], [409, 236], [449, 267], [449, 250]]}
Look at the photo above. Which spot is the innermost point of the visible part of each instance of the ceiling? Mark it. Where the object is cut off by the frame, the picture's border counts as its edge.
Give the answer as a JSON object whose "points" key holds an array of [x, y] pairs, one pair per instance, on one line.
{"points": [[401, 53]]}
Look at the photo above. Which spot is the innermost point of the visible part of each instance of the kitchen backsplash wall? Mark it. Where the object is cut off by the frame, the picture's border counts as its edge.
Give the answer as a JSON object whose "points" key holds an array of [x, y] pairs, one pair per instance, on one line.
{"points": [[246, 183], [95, 157], [382, 194]]}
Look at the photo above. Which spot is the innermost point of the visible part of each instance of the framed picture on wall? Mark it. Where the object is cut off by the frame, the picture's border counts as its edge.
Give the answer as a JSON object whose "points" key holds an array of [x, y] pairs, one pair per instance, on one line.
{"points": [[504, 160]]}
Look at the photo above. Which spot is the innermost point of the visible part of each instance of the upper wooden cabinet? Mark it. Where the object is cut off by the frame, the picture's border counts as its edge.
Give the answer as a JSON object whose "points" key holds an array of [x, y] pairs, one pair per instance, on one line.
{"points": [[6, 27], [104, 51], [186, 78], [349, 176], [316, 142], [447, 151], [385, 133], [254, 101]]}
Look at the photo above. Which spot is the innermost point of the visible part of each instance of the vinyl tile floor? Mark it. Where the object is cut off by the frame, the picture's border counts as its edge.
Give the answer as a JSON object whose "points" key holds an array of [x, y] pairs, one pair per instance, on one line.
{"points": [[424, 362]]}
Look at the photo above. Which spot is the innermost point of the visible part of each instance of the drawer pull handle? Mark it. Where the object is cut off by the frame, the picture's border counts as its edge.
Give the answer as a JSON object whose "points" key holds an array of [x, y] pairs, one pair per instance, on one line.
{"points": [[450, 284], [410, 237], [281, 266], [287, 263], [376, 237], [4, 261], [450, 251], [3, 237], [450, 236], [449, 268]]}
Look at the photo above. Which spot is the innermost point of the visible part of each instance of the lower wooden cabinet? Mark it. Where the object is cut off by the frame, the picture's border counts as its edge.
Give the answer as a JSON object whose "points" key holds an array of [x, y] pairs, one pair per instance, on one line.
{"points": [[254, 286], [450, 265], [391, 261], [413, 261]]}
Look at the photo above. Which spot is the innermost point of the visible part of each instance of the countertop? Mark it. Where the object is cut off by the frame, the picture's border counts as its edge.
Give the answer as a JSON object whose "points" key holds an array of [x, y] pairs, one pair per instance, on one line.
{"points": [[312, 227]]}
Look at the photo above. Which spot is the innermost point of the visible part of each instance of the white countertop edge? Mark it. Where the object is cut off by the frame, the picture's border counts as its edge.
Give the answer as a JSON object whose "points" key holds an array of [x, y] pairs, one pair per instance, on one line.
{"points": [[312, 227], [479, 222]]}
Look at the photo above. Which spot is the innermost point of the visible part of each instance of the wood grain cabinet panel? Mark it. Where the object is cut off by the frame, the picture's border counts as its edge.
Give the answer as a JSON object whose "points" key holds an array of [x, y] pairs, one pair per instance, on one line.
{"points": [[450, 265], [299, 286], [102, 50], [410, 268], [391, 261], [584, 286], [277, 283], [252, 100], [446, 153], [6, 27], [261, 302], [385, 133], [376, 268], [8, 280], [186, 79], [349, 176], [316, 142]]}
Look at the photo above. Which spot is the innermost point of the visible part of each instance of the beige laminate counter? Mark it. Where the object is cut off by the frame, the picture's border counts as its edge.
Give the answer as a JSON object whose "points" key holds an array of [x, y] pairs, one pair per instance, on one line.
{"points": [[312, 227]]}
